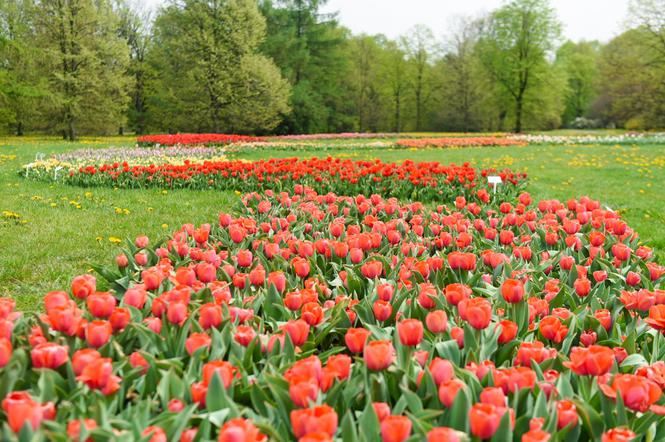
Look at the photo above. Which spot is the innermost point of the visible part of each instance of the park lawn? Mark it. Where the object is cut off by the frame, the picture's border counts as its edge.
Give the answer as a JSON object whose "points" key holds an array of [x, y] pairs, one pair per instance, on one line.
{"points": [[54, 239]]}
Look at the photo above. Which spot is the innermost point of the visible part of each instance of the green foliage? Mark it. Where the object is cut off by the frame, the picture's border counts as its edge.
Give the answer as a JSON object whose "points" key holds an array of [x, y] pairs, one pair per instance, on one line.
{"points": [[283, 66], [210, 73], [579, 61], [514, 50], [84, 62]]}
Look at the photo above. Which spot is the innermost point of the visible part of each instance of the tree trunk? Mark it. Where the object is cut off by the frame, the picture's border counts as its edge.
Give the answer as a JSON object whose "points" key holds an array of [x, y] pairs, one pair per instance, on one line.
{"points": [[398, 113], [518, 114], [19, 129], [71, 134]]}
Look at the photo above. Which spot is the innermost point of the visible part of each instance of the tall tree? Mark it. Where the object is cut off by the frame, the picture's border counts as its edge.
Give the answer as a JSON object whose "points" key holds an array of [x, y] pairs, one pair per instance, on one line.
{"points": [[514, 49], [206, 54], [85, 62], [466, 91], [310, 49], [580, 63], [421, 49], [396, 77], [22, 86], [134, 28]]}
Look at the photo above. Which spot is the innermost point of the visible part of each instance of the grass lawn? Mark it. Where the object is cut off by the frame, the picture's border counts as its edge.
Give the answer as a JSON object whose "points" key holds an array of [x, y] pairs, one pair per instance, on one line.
{"points": [[58, 240]]}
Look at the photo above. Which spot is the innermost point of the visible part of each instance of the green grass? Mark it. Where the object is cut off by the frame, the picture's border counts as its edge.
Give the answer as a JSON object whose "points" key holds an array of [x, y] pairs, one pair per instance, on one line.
{"points": [[59, 241]]}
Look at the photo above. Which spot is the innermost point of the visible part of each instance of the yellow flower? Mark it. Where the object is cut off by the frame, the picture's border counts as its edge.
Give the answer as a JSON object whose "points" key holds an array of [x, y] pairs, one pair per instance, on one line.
{"points": [[115, 240], [54, 205], [165, 226]]}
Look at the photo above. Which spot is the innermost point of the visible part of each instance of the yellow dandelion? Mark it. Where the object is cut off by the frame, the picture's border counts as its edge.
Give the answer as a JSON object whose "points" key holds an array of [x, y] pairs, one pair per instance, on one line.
{"points": [[165, 226], [115, 240], [54, 205]]}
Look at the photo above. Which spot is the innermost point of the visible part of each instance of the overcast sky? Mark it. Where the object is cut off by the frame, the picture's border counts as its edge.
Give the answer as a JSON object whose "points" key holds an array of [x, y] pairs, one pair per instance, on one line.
{"points": [[582, 19]]}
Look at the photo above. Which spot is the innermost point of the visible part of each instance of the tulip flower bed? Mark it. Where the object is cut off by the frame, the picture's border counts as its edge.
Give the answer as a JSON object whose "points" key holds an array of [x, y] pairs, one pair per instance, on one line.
{"points": [[426, 181], [420, 143], [323, 317], [194, 139]]}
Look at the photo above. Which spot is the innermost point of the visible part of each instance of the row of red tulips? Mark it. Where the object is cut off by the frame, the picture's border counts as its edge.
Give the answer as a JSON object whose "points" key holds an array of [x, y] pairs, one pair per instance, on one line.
{"points": [[194, 139], [318, 317], [424, 181], [444, 142]]}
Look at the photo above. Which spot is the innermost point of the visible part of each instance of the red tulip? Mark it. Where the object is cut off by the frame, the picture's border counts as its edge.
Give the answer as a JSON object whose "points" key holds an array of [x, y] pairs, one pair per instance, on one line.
{"points": [[595, 360], [74, 428], [83, 286], [638, 393], [448, 391], [484, 419], [98, 374], [618, 435], [566, 414], [512, 290], [410, 332], [226, 371], [82, 358], [378, 355], [441, 370], [196, 341], [508, 331], [244, 335], [98, 333], [320, 419], [443, 434], [355, 339], [301, 267], [5, 351], [382, 310], [21, 408], [120, 318], [437, 321], [240, 430], [136, 359], [298, 331], [478, 313], [395, 429], [49, 355], [210, 315]]}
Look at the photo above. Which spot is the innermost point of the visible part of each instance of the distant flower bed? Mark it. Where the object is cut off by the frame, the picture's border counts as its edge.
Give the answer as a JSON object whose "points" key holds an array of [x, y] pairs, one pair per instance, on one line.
{"points": [[308, 145], [177, 154], [426, 181], [194, 139], [56, 166], [628, 138], [460, 142], [369, 135]]}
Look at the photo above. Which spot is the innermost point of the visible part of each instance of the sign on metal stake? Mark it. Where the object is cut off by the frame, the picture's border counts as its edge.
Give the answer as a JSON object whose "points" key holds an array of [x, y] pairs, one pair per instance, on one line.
{"points": [[494, 180]]}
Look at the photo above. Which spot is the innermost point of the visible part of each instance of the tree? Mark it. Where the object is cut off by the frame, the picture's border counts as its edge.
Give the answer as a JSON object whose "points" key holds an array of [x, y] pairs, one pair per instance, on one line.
{"points": [[134, 28], [206, 52], [421, 49], [466, 91], [632, 89], [514, 47], [580, 63], [310, 49], [649, 15], [22, 87], [85, 62], [395, 75]]}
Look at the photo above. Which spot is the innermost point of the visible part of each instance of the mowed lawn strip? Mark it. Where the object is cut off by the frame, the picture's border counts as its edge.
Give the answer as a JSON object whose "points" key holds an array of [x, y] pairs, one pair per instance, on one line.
{"points": [[60, 240]]}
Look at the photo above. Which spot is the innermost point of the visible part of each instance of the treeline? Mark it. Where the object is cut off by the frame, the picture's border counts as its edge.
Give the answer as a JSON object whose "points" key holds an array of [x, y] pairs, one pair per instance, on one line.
{"points": [[281, 66]]}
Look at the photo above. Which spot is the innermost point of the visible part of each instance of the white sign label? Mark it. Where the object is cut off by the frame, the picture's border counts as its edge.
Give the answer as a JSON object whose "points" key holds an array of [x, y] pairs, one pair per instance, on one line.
{"points": [[494, 180]]}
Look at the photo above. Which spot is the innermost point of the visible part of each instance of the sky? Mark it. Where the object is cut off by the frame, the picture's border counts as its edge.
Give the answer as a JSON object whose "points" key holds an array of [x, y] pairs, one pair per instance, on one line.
{"points": [[582, 19]]}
